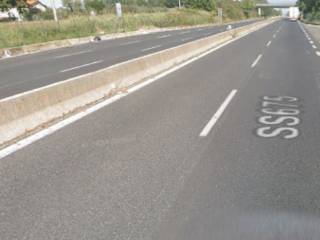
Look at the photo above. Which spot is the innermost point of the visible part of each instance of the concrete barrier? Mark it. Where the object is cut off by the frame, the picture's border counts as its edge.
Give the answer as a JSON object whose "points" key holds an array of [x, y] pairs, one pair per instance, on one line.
{"points": [[25, 112]]}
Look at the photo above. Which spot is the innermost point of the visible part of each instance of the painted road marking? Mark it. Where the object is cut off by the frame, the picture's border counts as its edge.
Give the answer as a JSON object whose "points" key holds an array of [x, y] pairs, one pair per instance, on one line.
{"points": [[268, 44], [71, 54], [256, 61], [186, 39], [280, 117], [164, 36], [81, 66], [274, 35], [311, 42], [150, 48], [50, 130], [318, 53], [314, 46], [184, 32], [218, 114], [129, 43]]}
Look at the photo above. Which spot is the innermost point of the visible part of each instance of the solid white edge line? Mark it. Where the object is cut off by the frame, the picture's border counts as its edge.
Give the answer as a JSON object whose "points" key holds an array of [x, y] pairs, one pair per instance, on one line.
{"points": [[218, 114], [81, 66], [256, 61], [50, 130], [268, 44]]}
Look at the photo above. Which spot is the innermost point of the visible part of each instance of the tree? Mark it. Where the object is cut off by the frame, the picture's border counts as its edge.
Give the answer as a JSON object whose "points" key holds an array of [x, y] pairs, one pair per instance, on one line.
{"points": [[248, 6], [7, 4], [208, 5], [97, 5]]}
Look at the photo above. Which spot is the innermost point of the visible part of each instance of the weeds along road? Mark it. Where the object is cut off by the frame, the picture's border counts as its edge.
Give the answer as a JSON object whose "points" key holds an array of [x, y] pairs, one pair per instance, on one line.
{"points": [[224, 148]]}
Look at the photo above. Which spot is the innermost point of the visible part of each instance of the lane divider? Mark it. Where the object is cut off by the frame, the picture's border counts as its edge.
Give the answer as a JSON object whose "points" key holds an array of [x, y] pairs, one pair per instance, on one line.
{"points": [[71, 54], [256, 61], [150, 48], [268, 44], [81, 66], [206, 130], [129, 43], [309, 39], [164, 36]]}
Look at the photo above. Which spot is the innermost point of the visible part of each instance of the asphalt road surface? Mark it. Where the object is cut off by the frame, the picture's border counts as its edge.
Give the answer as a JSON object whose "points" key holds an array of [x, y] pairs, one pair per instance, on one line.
{"points": [[224, 148], [28, 72]]}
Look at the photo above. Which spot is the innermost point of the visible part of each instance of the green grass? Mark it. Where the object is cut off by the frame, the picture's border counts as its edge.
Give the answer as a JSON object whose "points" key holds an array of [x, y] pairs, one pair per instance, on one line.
{"points": [[23, 33]]}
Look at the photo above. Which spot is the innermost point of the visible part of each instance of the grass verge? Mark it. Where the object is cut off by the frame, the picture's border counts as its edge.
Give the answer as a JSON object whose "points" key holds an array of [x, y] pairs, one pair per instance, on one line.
{"points": [[15, 34]]}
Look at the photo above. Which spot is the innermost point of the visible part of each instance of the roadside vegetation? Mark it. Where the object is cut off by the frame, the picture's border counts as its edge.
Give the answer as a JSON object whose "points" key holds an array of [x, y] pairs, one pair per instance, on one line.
{"points": [[310, 10], [97, 17]]}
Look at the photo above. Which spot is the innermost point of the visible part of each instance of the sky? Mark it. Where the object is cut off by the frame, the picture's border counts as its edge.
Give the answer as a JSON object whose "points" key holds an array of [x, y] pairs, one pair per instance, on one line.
{"points": [[59, 4]]}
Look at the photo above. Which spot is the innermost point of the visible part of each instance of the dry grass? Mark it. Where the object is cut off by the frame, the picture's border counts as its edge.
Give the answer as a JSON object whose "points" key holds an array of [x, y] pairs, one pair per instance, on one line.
{"points": [[22, 33]]}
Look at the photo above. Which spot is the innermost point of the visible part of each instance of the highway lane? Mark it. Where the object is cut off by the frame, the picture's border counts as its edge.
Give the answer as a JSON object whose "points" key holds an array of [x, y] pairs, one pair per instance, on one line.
{"points": [[140, 168], [28, 72]]}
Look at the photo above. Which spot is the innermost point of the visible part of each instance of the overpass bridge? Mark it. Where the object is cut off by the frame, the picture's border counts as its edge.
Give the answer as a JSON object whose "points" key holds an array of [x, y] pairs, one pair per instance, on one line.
{"points": [[259, 6], [269, 5]]}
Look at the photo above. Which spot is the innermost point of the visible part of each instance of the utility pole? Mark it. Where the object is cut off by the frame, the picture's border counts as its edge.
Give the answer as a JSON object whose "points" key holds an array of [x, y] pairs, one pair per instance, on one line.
{"points": [[53, 6], [179, 4]]}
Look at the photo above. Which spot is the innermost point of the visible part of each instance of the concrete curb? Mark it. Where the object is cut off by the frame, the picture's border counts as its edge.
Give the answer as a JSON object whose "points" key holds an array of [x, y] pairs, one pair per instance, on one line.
{"points": [[39, 47], [25, 112]]}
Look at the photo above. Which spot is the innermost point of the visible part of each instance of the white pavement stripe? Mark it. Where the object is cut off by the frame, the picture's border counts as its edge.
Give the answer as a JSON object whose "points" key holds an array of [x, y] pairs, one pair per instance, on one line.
{"points": [[218, 114], [129, 43], [80, 66], [274, 35], [318, 53], [164, 36], [186, 39], [184, 32], [314, 46], [71, 54], [256, 61], [150, 48], [311, 42], [268, 44]]}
